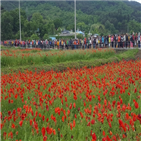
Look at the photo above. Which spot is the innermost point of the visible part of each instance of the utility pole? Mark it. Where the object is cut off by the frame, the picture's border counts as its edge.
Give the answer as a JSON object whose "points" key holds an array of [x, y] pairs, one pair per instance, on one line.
{"points": [[19, 20], [75, 16]]}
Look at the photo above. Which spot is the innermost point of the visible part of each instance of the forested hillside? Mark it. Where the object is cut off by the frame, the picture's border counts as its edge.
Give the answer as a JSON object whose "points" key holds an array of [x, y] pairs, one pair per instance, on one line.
{"points": [[94, 16]]}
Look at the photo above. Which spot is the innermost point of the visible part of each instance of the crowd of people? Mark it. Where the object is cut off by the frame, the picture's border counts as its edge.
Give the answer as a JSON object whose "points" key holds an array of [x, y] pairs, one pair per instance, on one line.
{"points": [[114, 41]]}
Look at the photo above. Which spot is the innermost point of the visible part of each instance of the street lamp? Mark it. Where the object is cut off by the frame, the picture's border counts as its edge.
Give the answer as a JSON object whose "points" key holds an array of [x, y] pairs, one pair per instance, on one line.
{"points": [[19, 21], [75, 16]]}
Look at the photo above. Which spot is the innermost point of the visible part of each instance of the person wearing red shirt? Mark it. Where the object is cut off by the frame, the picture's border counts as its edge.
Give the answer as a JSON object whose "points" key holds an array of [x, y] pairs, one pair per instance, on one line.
{"points": [[74, 44], [85, 43], [118, 41]]}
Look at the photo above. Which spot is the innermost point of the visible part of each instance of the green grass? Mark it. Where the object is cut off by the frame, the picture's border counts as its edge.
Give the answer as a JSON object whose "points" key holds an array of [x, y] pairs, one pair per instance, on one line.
{"points": [[61, 66], [40, 58]]}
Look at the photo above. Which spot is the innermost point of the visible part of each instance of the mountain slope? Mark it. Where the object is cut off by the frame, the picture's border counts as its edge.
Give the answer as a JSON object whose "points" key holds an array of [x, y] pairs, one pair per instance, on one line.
{"points": [[116, 17], [89, 7]]}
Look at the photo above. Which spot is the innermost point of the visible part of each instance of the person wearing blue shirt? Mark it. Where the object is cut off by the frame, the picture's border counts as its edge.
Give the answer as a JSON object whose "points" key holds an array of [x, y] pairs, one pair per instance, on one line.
{"points": [[103, 41]]}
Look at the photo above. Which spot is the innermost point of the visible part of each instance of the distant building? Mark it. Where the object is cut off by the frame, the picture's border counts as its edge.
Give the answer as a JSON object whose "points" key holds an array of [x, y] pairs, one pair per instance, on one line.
{"points": [[65, 32]]}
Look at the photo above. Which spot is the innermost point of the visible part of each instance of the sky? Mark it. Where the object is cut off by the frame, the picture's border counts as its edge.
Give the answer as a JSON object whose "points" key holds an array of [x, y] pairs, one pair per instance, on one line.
{"points": [[136, 0]]}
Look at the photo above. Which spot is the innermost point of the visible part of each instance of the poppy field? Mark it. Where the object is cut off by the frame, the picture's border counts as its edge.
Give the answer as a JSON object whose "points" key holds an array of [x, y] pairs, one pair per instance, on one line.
{"points": [[88, 104]]}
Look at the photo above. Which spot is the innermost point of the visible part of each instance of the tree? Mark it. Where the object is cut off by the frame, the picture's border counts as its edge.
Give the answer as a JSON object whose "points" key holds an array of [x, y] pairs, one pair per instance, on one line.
{"points": [[45, 37], [15, 15], [134, 26], [80, 36], [17, 36], [59, 30], [81, 26], [34, 37], [2, 9], [51, 16], [57, 23], [107, 24], [37, 21], [97, 29], [6, 26], [28, 30], [70, 27], [48, 28], [51, 28]]}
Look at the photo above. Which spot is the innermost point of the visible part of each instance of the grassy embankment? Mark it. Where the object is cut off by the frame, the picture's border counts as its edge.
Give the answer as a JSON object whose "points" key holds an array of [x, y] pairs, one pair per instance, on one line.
{"points": [[59, 60]]}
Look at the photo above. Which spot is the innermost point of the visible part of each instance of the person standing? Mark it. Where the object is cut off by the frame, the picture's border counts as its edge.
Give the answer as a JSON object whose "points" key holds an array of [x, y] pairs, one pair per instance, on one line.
{"points": [[94, 42], [106, 41], [136, 38], [53, 44], [98, 42], [126, 40], [79, 42], [12, 43], [90, 43], [62, 44], [16, 42], [74, 44], [133, 40], [82, 43], [36, 43], [85, 42], [122, 40], [109, 41], [139, 40], [32, 43], [58, 44], [115, 42], [118, 41], [129, 40], [102, 41], [23, 44], [112, 40]]}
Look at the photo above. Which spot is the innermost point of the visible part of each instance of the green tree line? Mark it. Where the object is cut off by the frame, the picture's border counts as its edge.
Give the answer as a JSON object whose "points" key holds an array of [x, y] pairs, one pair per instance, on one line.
{"points": [[40, 19]]}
